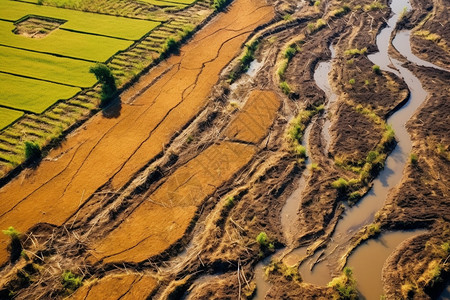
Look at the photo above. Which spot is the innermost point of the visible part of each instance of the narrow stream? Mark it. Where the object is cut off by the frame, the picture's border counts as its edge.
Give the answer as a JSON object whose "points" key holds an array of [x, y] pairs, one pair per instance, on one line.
{"points": [[288, 222], [321, 75], [363, 213]]}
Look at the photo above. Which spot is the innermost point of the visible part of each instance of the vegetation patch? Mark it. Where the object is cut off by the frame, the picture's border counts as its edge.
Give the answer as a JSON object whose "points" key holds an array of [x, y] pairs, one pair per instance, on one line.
{"points": [[15, 245], [245, 60], [345, 286], [355, 52], [277, 267], [297, 128]]}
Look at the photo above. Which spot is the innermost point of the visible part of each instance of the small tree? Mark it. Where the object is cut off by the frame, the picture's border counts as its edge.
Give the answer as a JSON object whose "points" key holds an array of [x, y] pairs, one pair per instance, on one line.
{"points": [[71, 281], [106, 78], [15, 247], [32, 151]]}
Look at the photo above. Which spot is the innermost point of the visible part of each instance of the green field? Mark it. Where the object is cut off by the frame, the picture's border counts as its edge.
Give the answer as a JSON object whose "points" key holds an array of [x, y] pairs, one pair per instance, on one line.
{"points": [[37, 71], [125, 28], [78, 3], [46, 67], [31, 95], [66, 43], [7, 116]]}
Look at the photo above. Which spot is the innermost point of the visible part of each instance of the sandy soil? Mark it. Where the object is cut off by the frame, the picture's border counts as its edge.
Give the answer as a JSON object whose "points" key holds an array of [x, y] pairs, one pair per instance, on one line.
{"points": [[126, 286]]}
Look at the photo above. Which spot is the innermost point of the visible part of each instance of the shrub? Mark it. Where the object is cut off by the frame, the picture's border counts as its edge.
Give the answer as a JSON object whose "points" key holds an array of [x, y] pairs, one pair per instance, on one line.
{"points": [[340, 184], [317, 3], [15, 246], [219, 5], [106, 78], [71, 281], [341, 11], [376, 69], [413, 158], [373, 6], [264, 241], [300, 150], [287, 17], [355, 52], [170, 46], [366, 82], [285, 88], [290, 52], [345, 285], [314, 167], [32, 151], [229, 202], [352, 81]]}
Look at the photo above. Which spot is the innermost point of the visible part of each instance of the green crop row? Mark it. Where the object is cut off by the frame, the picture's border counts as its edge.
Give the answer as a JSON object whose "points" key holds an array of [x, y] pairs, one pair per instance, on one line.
{"points": [[7, 116], [66, 43], [31, 95], [46, 67], [125, 28]]}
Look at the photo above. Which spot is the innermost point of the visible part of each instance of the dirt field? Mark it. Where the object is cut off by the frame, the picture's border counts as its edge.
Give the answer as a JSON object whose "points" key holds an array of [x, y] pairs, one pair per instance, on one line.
{"points": [[177, 192], [121, 146]]}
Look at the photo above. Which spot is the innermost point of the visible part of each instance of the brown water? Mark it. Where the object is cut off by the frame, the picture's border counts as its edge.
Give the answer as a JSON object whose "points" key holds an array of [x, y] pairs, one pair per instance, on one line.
{"points": [[363, 213], [367, 262], [288, 222], [292, 205]]}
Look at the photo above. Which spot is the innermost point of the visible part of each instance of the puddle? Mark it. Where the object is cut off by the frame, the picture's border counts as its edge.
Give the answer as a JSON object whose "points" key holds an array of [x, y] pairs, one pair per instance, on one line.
{"points": [[368, 261]]}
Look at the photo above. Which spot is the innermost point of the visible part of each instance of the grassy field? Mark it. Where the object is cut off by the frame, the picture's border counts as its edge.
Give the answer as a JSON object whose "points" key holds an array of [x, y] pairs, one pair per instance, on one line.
{"points": [[124, 28], [31, 95], [66, 43], [46, 67], [7, 116]]}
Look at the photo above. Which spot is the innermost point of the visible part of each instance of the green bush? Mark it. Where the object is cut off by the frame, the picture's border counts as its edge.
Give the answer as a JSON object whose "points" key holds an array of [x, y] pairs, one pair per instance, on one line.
{"points": [[345, 286], [413, 159], [262, 239], [219, 5], [290, 52], [352, 81], [376, 69], [32, 151], [285, 88], [340, 184], [15, 246], [374, 6], [355, 52], [264, 242], [229, 202], [106, 78], [171, 46], [71, 281]]}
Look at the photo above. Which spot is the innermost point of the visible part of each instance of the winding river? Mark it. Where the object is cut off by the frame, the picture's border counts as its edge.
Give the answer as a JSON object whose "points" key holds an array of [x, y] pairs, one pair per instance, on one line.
{"points": [[318, 268]]}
